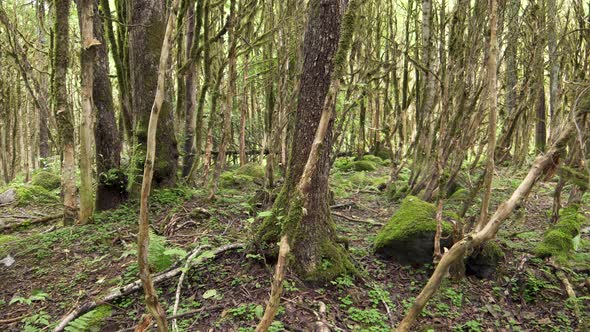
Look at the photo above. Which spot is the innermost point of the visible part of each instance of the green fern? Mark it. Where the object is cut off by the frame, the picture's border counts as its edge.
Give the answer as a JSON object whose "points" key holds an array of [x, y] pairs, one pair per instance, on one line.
{"points": [[91, 321], [158, 258]]}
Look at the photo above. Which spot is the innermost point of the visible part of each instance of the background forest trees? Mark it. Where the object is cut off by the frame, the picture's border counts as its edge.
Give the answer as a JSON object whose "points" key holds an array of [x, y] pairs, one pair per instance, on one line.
{"points": [[444, 89]]}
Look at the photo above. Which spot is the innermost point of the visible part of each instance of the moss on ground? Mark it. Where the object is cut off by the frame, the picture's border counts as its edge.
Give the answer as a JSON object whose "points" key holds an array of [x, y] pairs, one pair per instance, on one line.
{"points": [[368, 163], [46, 180], [6, 238], [558, 241]]}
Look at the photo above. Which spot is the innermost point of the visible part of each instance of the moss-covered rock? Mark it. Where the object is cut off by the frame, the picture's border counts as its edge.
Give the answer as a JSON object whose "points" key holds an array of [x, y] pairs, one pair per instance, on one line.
{"points": [[372, 158], [242, 177], [363, 166], [46, 180], [558, 241], [254, 170], [484, 261], [408, 236], [31, 194]]}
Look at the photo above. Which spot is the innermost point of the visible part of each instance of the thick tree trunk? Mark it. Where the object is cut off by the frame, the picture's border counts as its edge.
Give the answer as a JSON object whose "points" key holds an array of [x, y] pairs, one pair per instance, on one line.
{"points": [[145, 44], [63, 111], [308, 223], [111, 184]]}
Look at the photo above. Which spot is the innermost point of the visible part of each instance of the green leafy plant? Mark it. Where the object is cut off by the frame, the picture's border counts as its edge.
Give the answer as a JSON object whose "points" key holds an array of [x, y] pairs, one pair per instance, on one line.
{"points": [[91, 321], [36, 295], [36, 322]]}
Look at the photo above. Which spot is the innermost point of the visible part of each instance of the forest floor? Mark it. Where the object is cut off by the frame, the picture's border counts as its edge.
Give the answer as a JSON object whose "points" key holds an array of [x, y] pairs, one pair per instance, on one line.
{"points": [[58, 268]]}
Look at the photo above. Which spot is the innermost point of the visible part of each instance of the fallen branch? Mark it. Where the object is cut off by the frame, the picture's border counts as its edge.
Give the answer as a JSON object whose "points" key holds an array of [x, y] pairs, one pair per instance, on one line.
{"points": [[366, 221], [342, 205], [571, 294], [133, 287], [31, 222], [180, 280]]}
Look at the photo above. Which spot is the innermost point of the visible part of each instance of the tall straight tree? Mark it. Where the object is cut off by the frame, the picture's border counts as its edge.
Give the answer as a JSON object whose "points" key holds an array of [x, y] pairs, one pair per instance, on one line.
{"points": [[87, 58], [148, 22], [110, 191], [63, 111], [308, 223]]}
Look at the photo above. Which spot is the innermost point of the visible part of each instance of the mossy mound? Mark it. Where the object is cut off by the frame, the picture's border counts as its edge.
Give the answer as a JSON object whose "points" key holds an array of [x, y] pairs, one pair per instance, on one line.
{"points": [[397, 191], [374, 159], [251, 169], [363, 166], [408, 237], [46, 180], [558, 241], [242, 177], [32, 194], [485, 260], [381, 152]]}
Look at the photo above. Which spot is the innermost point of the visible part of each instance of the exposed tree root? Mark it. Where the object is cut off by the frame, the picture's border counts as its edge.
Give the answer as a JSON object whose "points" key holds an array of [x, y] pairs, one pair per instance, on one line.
{"points": [[135, 286]]}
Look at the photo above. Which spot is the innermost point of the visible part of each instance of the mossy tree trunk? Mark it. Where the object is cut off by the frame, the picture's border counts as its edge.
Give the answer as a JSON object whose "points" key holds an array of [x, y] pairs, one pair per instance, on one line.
{"points": [[145, 44], [303, 200], [63, 112], [110, 191]]}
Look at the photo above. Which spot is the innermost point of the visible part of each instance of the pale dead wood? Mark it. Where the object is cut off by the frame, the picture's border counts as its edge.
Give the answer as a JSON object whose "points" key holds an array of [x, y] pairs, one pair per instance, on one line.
{"points": [[135, 286], [276, 287], [143, 238], [366, 221]]}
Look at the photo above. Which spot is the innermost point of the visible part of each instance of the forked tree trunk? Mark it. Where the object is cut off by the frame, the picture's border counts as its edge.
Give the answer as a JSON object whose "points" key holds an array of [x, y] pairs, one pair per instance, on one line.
{"points": [[63, 111]]}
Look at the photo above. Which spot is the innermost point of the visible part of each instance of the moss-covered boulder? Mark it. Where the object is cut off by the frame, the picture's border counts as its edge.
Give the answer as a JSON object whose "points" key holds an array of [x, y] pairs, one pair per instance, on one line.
{"points": [[363, 166], [254, 170], [31, 194], [242, 177], [558, 242], [46, 180], [484, 261], [408, 237], [373, 158]]}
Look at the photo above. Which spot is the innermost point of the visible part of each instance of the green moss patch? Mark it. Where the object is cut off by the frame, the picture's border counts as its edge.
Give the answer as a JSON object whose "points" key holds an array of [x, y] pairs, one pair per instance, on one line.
{"points": [[409, 235], [558, 241], [368, 163], [242, 177], [484, 260], [32, 194], [47, 180]]}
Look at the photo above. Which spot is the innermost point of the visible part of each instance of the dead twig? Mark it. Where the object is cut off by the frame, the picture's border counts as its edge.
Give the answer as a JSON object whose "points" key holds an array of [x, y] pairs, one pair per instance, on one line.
{"points": [[133, 287], [366, 221]]}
